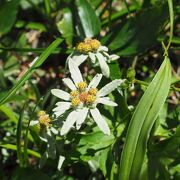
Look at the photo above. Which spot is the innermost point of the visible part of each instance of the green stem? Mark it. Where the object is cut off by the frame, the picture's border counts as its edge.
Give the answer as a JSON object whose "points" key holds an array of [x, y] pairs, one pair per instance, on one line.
{"points": [[147, 84], [171, 14]]}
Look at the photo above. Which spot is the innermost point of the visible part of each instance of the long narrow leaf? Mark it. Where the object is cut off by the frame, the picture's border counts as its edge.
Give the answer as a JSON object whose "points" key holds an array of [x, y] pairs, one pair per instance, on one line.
{"points": [[142, 121], [37, 62], [14, 147]]}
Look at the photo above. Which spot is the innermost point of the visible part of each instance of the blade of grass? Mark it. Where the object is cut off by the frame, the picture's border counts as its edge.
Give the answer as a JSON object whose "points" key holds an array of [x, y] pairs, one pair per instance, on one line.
{"points": [[142, 121], [9, 113], [14, 147], [35, 50], [36, 63]]}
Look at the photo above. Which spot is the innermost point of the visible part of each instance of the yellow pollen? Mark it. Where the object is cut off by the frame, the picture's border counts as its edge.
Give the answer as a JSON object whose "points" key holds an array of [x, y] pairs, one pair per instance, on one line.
{"points": [[87, 48], [90, 99], [93, 91], [83, 96], [88, 45], [80, 47], [44, 121], [74, 93], [75, 102], [95, 44], [41, 113], [82, 86]]}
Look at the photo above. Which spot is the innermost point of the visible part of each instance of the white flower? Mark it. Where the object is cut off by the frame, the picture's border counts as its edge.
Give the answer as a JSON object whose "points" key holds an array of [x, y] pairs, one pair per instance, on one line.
{"points": [[82, 100], [44, 125], [92, 49]]}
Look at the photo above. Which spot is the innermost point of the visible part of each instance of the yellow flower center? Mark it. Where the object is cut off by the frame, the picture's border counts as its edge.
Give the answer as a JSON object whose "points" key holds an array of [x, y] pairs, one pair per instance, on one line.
{"points": [[93, 91], [44, 119], [95, 44], [83, 96], [90, 99], [88, 45], [82, 86], [75, 102], [41, 113], [74, 93]]}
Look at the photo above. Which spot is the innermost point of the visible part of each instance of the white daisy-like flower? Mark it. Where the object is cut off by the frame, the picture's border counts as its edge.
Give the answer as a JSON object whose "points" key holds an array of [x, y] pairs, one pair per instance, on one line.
{"points": [[83, 99], [93, 50], [44, 125]]}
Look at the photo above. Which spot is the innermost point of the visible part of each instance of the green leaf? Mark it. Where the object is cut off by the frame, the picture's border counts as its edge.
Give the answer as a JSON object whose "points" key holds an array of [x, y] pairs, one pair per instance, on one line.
{"points": [[142, 121], [8, 11], [138, 33], [103, 159], [65, 26], [14, 147], [114, 70], [89, 21], [9, 113], [91, 141], [34, 65]]}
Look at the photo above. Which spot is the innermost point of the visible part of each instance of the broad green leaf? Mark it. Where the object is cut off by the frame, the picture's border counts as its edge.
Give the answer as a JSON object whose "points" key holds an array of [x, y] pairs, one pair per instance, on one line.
{"points": [[142, 121], [34, 65], [8, 11], [91, 141], [103, 156], [138, 33], [65, 26], [114, 70], [89, 21]]}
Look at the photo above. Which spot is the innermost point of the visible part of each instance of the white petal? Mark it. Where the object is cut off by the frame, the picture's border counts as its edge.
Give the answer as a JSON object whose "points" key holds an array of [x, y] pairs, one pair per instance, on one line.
{"points": [[103, 48], [61, 108], [81, 118], [103, 65], [68, 124], [33, 123], [106, 101], [106, 54], [63, 104], [75, 72], [95, 81], [54, 130], [59, 113], [60, 94], [69, 83], [60, 162], [113, 57], [100, 121], [108, 88], [92, 57], [79, 59]]}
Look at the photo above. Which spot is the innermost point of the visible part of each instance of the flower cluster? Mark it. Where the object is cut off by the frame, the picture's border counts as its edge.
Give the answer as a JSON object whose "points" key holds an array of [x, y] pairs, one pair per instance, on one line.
{"points": [[88, 45], [93, 50], [83, 99]]}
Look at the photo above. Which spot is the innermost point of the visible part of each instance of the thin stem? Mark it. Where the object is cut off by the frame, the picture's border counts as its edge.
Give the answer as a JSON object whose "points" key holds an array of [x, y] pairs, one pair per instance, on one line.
{"points": [[171, 14], [147, 84]]}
